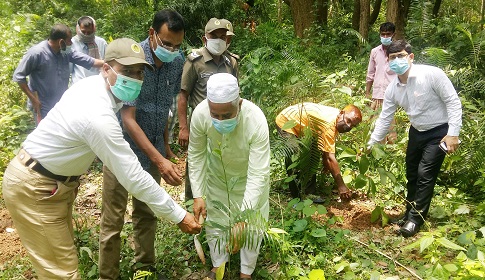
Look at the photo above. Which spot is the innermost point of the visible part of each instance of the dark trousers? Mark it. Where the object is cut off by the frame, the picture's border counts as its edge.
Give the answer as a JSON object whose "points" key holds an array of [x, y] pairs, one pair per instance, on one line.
{"points": [[423, 163]]}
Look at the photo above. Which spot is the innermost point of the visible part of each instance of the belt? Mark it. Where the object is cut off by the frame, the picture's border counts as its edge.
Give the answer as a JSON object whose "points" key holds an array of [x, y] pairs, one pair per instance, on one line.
{"points": [[36, 166]]}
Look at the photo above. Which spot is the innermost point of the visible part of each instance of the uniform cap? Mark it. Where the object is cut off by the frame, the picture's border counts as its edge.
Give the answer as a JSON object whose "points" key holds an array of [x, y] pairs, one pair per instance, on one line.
{"points": [[126, 51], [214, 24], [228, 25], [222, 88]]}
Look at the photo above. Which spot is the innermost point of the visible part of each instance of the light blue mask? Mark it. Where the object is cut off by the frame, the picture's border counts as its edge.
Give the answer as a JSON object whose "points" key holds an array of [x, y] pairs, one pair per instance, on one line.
{"points": [[386, 41], [165, 55], [125, 88], [399, 65], [224, 126]]}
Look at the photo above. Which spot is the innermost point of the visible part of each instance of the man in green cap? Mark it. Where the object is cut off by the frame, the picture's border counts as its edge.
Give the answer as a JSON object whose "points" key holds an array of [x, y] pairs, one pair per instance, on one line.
{"points": [[199, 66], [40, 183]]}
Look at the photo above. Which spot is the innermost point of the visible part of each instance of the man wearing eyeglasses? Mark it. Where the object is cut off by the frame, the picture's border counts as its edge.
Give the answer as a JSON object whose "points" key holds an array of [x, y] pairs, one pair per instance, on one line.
{"points": [[434, 110], [326, 122], [144, 122], [199, 66]]}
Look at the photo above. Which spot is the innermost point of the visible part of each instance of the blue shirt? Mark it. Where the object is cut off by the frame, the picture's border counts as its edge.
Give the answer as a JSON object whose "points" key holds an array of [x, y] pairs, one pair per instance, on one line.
{"points": [[48, 72], [153, 104]]}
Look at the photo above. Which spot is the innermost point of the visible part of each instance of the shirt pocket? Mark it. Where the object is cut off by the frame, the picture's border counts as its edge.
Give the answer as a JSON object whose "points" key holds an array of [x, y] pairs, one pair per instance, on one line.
{"points": [[421, 100]]}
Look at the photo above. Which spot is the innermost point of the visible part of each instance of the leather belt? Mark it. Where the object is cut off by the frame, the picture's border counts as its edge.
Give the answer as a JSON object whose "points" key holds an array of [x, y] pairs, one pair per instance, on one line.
{"points": [[36, 166]]}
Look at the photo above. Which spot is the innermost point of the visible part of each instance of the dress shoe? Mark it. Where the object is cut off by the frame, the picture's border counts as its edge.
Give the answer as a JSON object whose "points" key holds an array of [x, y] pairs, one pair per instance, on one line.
{"points": [[409, 229]]}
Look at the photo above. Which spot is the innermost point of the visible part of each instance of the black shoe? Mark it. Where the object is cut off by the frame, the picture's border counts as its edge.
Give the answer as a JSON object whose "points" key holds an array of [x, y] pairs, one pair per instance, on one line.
{"points": [[400, 221], [409, 229]]}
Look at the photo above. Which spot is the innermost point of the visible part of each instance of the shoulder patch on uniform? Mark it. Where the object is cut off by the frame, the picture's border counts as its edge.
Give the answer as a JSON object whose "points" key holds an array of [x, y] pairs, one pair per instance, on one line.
{"points": [[234, 55], [194, 55]]}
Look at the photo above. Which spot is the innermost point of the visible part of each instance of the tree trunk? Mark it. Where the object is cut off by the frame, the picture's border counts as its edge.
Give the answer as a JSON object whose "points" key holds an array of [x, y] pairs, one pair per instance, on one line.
{"points": [[302, 14], [322, 11], [356, 15], [436, 8], [375, 12], [397, 11], [364, 18], [482, 13]]}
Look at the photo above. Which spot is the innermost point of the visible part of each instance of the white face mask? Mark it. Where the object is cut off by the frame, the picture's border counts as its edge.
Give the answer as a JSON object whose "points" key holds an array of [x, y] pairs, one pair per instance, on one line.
{"points": [[216, 46]]}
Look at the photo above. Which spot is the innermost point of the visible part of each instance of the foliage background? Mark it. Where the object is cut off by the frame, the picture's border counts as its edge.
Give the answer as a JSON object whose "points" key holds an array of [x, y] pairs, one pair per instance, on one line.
{"points": [[278, 69]]}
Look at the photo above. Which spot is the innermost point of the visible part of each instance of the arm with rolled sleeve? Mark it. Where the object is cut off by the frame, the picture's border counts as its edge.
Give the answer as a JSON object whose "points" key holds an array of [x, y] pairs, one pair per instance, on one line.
{"points": [[385, 119], [104, 136], [258, 167], [197, 154], [444, 88]]}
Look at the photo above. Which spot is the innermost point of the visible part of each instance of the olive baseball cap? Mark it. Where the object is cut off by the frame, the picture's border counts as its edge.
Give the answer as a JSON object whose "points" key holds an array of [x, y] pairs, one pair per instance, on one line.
{"points": [[126, 51], [228, 25], [214, 24]]}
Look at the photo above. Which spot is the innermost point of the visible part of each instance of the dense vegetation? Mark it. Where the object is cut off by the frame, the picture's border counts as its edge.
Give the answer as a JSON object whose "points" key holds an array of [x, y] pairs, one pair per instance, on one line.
{"points": [[327, 65]]}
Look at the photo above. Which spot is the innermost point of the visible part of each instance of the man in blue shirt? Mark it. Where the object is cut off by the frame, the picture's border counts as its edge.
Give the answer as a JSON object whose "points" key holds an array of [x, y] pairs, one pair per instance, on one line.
{"points": [[88, 43], [47, 66], [144, 123]]}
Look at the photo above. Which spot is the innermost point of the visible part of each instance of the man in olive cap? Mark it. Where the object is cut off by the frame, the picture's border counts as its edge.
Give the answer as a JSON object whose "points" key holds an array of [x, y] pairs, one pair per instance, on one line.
{"points": [[199, 66], [40, 183]]}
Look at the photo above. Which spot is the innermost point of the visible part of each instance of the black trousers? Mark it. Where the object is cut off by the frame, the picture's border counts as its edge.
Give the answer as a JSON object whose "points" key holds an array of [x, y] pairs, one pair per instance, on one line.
{"points": [[423, 163]]}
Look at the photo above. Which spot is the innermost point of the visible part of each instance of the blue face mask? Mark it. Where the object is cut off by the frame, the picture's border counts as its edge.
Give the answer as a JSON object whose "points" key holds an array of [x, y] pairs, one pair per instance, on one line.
{"points": [[64, 48], [224, 126], [386, 41], [125, 88], [399, 65], [163, 54]]}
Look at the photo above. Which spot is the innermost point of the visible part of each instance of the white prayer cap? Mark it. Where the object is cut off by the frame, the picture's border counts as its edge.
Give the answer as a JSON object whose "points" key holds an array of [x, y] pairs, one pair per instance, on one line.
{"points": [[222, 88]]}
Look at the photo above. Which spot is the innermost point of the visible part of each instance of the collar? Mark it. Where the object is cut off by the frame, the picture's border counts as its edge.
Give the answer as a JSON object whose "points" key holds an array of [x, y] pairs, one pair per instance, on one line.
{"points": [[206, 54], [145, 45]]}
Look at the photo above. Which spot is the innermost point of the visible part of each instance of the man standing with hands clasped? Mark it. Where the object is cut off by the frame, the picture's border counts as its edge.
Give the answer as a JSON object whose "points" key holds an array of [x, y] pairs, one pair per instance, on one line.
{"points": [[434, 110]]}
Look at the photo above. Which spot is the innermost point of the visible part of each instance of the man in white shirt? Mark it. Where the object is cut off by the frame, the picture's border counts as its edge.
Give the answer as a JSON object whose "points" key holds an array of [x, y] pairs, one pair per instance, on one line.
{"points": [[88, 43], [40, 183], [434, 110], [229, 165]]}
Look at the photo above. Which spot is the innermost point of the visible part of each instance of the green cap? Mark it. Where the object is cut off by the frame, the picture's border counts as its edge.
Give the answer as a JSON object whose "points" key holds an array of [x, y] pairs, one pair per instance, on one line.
{"points": [[126, 51], [228, 25], [214, 24]]}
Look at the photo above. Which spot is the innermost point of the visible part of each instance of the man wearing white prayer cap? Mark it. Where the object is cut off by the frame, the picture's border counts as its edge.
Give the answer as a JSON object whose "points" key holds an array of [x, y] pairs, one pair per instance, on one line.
{"points": [[228, 162]]}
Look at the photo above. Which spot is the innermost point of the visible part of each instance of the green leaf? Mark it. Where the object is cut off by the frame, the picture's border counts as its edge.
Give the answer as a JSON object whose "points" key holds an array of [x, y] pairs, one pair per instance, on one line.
{"points": [[372, 186], [316, 274], [383, 175], [385, 218], [294, 79], [309, 210], [451, 267], [341, 266], [220, 271], [375, 275], [307, 202], [364, 164], [462, 209], [318, 232], [360, 181], [300, 225], [293, 202], [345, 90], [276, 231], [466, 238], [321, 210], [424, 243], [376, 213], [289, 124], [448, 244]]}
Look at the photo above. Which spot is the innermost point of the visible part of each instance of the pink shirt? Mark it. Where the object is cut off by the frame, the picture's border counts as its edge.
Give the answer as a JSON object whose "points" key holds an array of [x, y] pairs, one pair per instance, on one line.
{"points": [[379, 72]]}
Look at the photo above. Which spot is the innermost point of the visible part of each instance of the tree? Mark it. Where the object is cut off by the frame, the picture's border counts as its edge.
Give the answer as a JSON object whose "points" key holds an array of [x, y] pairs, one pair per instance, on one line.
{"points": [[364, 18], [436, 8], [322, 11], [375, 12], [397, 13], [302, 14]]}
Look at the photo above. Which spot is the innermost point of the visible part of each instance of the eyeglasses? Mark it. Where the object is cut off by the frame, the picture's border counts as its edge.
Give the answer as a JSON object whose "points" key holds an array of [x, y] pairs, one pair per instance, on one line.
{"points": [[169, 48], [397, 55]]}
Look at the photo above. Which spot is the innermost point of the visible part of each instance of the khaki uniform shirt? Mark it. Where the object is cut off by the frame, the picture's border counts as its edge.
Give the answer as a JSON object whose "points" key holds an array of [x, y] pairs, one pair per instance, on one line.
{"points": [[198, 67]]}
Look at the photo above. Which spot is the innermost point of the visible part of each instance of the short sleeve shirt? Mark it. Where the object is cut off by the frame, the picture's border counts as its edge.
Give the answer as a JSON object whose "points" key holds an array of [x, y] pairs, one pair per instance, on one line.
{"points": [[321, 119], [198, 67], [153, 104]]}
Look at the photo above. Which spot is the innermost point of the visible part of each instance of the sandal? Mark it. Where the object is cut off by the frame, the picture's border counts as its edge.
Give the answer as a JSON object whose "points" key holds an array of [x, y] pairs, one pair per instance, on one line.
{"points": [[211, 275]]}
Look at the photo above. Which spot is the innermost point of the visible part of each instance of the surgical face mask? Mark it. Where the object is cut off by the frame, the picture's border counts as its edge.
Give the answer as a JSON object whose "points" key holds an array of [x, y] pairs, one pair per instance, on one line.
{"points": [[65, 49], [216, 46], [386, 41], [162, 53], [225, 126], [125, 88], [399, 65]]}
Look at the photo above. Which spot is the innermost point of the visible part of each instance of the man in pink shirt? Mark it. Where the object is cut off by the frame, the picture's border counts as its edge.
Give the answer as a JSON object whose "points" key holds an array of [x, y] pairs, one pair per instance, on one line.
{"points": [[379, 75]]}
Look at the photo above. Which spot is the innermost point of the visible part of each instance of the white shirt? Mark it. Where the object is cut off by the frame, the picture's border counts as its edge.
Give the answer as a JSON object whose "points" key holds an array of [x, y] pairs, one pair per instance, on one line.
{"points": [[79, 72], [242, 169], [428, 98], [83, 125]]}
